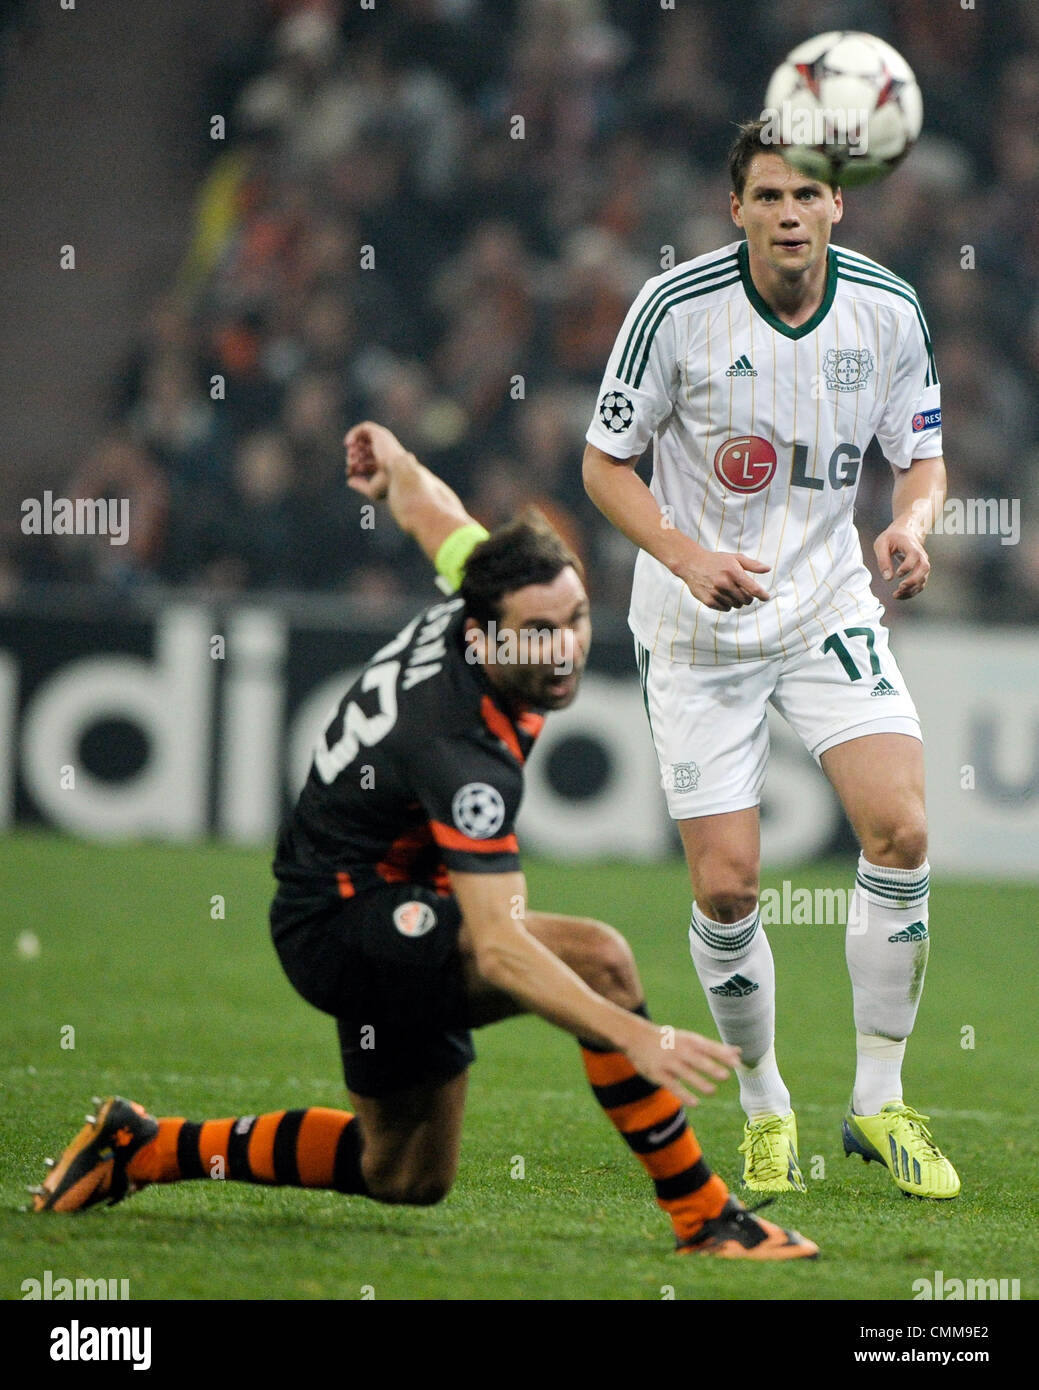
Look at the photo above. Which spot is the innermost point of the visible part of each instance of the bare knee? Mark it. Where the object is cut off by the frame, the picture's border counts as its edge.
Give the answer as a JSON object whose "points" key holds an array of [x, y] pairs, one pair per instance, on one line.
{"points": [[604, 960], [902, 844], [728, 892], [723, 856], [730, 905]]}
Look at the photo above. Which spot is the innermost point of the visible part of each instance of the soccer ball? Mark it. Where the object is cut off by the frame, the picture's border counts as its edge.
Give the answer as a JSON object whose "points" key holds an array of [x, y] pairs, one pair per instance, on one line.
{"points": [[844, 107]]}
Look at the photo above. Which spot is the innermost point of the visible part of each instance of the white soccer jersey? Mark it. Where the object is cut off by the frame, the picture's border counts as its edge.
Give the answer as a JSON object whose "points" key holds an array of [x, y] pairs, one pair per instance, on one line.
{"points": [[759, 430]]}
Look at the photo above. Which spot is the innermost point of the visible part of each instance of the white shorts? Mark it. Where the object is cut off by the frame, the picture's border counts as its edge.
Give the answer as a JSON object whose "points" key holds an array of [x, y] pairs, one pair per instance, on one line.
{"points": [[709, 723]]}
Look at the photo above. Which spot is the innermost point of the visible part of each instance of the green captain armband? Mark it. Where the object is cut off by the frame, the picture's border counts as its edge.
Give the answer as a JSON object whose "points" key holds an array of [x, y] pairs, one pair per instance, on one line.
{"points": [[454, 552]]}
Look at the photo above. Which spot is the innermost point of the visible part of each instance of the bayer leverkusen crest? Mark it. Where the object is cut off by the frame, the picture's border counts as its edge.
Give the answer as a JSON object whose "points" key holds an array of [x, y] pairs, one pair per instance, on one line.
{"points": [[682, 777], [847, 369]]}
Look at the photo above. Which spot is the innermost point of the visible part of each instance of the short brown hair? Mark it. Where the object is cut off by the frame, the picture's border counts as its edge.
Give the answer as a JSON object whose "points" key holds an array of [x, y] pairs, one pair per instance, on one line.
{"points": [[525, 551], [747, 144]]}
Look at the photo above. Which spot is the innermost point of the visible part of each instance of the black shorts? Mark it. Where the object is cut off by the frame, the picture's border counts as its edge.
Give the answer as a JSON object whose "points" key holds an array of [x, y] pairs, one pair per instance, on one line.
{"points": [[387, 967]]}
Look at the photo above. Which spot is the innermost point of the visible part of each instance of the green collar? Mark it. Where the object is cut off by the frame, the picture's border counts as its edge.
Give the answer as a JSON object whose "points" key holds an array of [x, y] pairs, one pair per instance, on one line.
{"points": [[743, 260]]}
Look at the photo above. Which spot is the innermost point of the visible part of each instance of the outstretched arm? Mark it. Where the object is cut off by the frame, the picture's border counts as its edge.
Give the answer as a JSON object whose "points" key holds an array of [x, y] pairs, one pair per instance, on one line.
{"points": [[378, 466]]}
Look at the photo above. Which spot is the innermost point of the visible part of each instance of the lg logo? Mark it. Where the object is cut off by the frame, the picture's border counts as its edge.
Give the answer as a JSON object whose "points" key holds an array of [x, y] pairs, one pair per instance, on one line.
{"points": [[745, 464], [748, 464]]}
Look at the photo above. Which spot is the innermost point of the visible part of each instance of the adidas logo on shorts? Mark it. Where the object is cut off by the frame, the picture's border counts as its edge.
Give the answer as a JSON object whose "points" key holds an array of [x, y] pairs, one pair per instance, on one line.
{"points": [[883, 687]]}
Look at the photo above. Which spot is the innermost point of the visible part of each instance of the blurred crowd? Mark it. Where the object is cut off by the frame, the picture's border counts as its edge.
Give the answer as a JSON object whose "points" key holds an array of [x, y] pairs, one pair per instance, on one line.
{"points": [[435, 213]]}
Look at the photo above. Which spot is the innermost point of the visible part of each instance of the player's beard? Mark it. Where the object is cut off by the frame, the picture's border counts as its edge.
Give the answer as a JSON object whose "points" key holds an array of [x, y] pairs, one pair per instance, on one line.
{"points": [[538, 687]]}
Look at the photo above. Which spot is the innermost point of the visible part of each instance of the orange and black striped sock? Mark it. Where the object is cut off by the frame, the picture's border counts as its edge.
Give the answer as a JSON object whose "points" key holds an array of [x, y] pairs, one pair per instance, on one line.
{"points": [[651, 1121], [288, 1148]]}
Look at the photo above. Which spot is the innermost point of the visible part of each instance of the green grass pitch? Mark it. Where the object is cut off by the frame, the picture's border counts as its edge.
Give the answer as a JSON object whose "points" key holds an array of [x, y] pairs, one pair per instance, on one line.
{"points": [[192, 1016]]}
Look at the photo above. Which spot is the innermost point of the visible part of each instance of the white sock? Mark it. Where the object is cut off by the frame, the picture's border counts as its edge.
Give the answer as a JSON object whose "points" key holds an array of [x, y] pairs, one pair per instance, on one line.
{"points": [[762, 1091], [878, 1072], [734, 963], [886, 947]]}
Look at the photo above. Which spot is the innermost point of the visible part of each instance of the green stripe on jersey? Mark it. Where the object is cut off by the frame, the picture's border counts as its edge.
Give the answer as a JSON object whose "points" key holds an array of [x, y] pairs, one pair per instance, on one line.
{"points": [[872, 267], [687, 279], [932, 370], [855, 262], [662, 313], [891, 282]]}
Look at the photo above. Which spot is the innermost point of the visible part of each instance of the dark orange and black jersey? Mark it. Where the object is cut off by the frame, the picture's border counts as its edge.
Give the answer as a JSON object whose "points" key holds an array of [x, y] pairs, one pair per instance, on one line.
{"points": [[418, 771]]}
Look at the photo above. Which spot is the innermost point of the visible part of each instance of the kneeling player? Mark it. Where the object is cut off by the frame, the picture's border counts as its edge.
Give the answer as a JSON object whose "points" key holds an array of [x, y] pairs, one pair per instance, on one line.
{"points": [[402, 912]]}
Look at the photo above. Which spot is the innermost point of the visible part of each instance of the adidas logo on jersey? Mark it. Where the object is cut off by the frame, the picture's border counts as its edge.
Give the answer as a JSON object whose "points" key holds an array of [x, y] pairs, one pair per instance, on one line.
{"points": [[741, 367], [883, 687], [735, 987], [916, 931]]}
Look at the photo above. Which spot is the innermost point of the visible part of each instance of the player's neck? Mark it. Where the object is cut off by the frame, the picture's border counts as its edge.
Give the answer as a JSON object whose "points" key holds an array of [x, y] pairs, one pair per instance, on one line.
{"points": [[506, 699], [793, 298]]}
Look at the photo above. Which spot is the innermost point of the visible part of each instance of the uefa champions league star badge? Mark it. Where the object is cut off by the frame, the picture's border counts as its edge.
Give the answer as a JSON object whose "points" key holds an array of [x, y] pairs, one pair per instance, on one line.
{"points": [[847, 369], [616, 411], [478, 810]]}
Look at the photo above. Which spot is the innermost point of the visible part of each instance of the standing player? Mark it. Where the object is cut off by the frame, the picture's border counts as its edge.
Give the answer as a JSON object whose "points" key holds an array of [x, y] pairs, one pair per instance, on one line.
{"points": [[761, 372], [402, 912]]}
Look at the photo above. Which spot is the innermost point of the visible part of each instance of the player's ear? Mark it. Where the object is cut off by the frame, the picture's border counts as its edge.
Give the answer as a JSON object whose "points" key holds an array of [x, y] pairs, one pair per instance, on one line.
{"points": [[838, 205], [735, 208]]}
